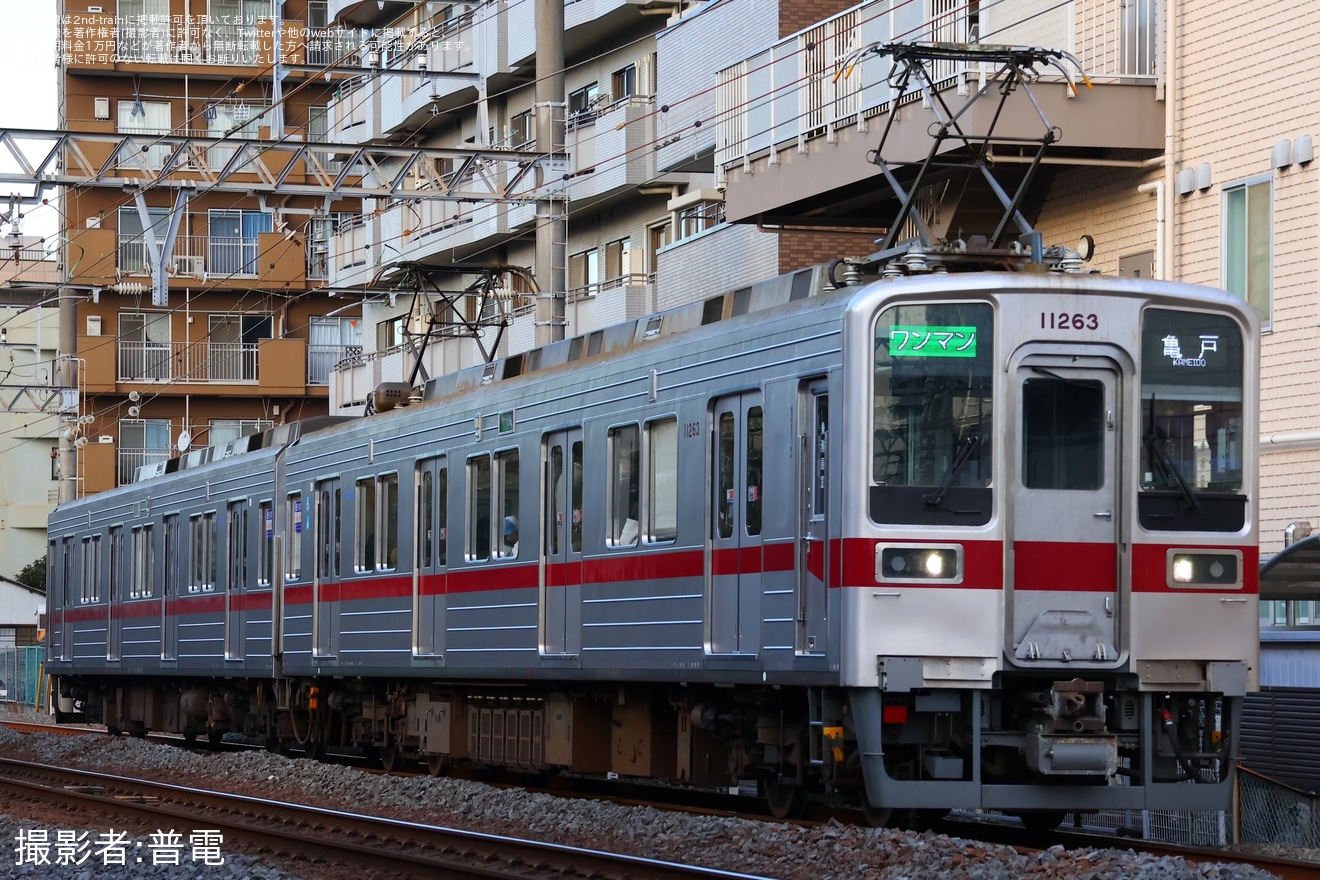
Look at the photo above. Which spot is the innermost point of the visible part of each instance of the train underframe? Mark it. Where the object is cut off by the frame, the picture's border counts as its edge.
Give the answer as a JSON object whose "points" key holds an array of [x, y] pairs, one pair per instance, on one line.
{"points": [[1038, 747]]}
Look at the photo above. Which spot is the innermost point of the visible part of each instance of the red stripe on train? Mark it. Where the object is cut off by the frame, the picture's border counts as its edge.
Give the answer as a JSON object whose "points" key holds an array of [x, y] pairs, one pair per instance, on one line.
{"points": [[1068, 566]]}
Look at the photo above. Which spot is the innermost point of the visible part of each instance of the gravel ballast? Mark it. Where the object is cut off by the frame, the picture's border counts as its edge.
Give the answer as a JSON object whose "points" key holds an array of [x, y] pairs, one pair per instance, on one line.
{"points": [[778, 850]]}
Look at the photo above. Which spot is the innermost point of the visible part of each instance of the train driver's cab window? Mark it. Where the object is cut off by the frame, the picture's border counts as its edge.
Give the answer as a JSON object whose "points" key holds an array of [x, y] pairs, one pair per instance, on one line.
{"points": [[932, 414], [1190, 473], [621, 503]]}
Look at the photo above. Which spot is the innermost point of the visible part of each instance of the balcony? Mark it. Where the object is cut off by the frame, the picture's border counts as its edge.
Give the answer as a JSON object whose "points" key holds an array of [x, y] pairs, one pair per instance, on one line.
{"points": [[29, 263], [792, 141], [267, 256], [611, 150], [128, 460], [190, 362]]}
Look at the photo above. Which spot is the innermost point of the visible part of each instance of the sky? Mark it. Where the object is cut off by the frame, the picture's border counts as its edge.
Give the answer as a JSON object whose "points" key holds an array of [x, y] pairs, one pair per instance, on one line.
{"points": [[28, 100]]}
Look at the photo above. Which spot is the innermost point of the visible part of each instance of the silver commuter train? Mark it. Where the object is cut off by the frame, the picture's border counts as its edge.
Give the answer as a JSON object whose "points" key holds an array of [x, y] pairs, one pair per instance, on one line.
{"points": [[981, 540]]}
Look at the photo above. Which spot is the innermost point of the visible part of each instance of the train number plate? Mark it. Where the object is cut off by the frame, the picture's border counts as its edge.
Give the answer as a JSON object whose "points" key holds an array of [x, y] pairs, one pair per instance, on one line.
{"points": [[1069, 321]]}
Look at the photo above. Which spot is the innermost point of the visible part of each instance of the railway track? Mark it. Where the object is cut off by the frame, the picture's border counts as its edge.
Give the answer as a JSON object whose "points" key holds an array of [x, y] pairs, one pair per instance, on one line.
{"points": [[323, 836], [1005, 833]]}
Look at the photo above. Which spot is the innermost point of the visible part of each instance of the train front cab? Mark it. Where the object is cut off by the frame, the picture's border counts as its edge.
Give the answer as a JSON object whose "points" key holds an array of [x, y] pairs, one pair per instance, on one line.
{"points": [[1055, 606]]}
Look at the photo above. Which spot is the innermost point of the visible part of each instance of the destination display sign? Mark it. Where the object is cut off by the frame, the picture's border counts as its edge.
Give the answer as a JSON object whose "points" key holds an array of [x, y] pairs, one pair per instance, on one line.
{"points": [[930, 341]]}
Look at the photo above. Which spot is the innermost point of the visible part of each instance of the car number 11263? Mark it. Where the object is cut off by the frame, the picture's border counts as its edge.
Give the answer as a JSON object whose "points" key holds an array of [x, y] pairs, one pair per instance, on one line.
{"points": [[1069, 321]]}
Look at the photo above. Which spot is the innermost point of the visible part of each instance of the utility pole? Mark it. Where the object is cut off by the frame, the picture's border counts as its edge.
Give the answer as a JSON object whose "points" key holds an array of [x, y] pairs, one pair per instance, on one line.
{"points": [[551, 207], [67, 378]]}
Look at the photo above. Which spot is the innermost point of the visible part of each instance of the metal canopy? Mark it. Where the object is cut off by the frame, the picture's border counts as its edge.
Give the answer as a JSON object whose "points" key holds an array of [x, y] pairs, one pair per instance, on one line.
{"points": [[255, 167], [1293, 572]]}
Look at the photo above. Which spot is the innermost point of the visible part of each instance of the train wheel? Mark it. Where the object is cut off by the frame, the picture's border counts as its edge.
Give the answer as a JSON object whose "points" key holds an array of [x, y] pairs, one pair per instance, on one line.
{"points": [[438, 765], [784, 799], [390, 757], [1041, 821]]}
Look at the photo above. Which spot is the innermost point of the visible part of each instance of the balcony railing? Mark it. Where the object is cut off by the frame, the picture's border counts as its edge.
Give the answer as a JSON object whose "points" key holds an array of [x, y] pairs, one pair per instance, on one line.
{"points": [[323, 359], [791, 91], [130, 459], [195, 255], [199, 362]]}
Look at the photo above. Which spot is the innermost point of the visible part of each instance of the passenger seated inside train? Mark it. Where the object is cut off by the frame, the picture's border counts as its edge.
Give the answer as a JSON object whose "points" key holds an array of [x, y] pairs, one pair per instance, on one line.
{"points": [[510, 536]]}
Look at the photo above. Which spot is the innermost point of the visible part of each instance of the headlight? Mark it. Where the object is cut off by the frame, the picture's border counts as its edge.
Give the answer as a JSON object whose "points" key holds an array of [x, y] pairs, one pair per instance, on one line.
{"points": [[1204, 568], [907, 562]]}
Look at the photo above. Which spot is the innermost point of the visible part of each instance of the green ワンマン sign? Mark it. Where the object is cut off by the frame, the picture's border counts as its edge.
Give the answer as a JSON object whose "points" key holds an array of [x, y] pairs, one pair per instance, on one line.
{"points": [[921, 341]]}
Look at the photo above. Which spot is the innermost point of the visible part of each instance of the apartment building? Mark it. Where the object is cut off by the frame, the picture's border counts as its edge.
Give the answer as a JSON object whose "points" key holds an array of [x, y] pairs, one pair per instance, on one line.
{"points": [[239, 336], [645, 225]]}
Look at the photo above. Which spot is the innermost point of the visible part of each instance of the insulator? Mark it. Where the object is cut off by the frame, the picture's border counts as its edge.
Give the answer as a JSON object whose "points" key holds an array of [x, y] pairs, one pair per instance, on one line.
{"points": [[131, 288]]}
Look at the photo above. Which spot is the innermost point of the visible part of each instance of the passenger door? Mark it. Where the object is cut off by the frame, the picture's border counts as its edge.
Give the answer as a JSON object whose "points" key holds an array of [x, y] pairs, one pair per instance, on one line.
{"points": [[326, 573], [1067, 559], [173, 560], [237, 551], [734, 553], [814, 551], [561, 563], [432, 547]]}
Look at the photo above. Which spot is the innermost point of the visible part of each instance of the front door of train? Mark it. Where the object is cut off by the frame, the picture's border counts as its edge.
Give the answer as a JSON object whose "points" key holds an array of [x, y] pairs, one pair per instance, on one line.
{"points": [[561, 565], [735, 563], [1067, 557]]}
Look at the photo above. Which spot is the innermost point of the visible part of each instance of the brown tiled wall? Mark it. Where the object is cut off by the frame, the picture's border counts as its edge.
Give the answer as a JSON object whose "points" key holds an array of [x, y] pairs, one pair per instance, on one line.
{"points": [[794, 15], [801, 248]]}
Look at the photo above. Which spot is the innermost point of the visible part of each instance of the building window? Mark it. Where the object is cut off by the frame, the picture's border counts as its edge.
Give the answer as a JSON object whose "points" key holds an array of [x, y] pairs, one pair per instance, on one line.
{"points": [[232, 34], [144, 345], [618, 262], [332, 340], [233, 241], [391, 334], [132, 250], [583, 273], [624, 82], [522, 130], [582, 105], [657, 237], [143, 31], [699, 217], [1248, 244], [142, 442], [221, 431]]}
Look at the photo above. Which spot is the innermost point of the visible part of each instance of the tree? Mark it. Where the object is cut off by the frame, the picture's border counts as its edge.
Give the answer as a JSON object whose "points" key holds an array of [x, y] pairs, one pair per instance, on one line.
{"points": [[34, 574]]}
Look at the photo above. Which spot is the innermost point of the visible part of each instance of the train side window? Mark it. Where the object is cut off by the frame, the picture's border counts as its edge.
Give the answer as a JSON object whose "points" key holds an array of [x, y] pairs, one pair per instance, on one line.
{"points": [[506, 476], [662, 480], [425, 518], [266, 546], [91, 567], [442, 517], [116, 585], [387, 487], [754, 457], [479, 527], [66, 570], [294, 568], [329, 532], [575, 503], [621, 504], [141, 578], [203, 530], [237, 549], [364, 526]]}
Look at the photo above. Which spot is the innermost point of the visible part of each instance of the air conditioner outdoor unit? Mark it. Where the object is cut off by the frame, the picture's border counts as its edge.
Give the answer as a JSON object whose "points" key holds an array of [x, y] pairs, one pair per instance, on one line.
{"points": [[189, 265]]}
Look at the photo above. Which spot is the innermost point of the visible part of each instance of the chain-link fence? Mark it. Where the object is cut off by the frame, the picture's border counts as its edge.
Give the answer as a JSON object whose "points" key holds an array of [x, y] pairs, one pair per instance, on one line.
{"points": [[20, 674], [1270, 812]]}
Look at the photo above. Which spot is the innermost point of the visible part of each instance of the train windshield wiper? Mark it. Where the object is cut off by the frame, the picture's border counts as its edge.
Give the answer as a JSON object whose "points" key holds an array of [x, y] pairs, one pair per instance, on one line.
{"points": [[1168, 469], [964, 452]]}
